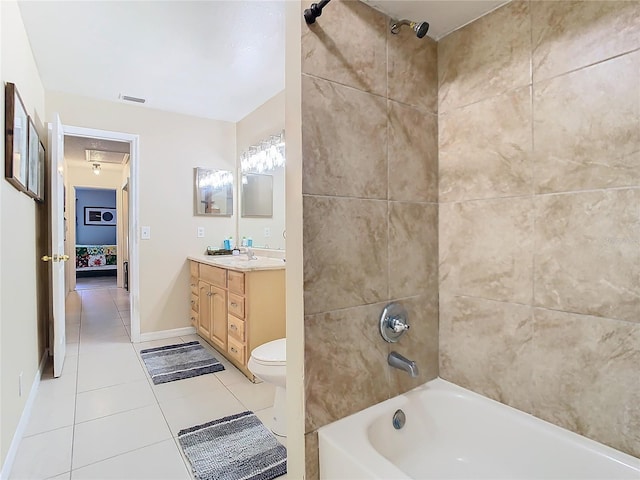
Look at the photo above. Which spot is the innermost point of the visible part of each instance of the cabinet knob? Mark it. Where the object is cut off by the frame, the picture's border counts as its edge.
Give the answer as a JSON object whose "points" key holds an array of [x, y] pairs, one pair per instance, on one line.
{"points": [[234, 304], [210, 294], [233, 350], [233, 327]]}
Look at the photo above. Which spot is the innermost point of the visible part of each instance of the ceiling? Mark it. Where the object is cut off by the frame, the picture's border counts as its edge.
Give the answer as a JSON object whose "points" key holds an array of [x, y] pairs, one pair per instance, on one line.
{"points": [[444, 16], [217, 59], [74, 149]]}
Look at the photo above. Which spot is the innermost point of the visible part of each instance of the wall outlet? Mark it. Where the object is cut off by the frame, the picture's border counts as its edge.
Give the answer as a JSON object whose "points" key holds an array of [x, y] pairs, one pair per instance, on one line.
{"points": [[267, 232], [200, 232], [20, 384], [145, 233]]}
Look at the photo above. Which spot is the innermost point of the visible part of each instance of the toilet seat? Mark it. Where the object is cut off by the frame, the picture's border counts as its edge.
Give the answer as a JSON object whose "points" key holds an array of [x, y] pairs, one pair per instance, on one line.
{"points": [[271, 354]]}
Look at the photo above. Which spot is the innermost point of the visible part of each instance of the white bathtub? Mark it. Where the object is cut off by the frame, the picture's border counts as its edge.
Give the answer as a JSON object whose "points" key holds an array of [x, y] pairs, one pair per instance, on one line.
{"points": [[453, 433]]}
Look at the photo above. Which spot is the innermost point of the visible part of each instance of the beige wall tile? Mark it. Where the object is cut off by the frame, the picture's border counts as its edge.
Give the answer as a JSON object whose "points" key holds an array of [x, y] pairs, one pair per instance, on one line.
{"points": [[485, 249], [345, 253], [413, 249], [485, 149], [344, 135], [413, 154], [486, 58], [585, 135], [312, 462], [413, 70], [481, 347], [347, 44], [345, 364], [419, 343], [568, 35], [585, 376], [587, 253]]}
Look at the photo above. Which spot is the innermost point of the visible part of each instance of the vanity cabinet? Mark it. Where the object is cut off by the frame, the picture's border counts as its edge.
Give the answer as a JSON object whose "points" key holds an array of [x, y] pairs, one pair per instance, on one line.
{"points": [[237, 311]]}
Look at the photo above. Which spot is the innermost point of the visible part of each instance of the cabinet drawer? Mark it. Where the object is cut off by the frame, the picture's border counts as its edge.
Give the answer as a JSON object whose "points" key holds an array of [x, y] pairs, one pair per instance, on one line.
{"points": [[236, 350], [194, 318], [193, 283], [214, 275], [236, 305], [236, 328], [193, 267], [236, 282], [194, 303]]}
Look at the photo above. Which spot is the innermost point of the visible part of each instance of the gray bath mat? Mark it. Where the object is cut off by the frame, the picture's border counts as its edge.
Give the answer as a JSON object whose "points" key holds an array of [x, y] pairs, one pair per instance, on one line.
{"points": [[175, 362], [237, 447]]}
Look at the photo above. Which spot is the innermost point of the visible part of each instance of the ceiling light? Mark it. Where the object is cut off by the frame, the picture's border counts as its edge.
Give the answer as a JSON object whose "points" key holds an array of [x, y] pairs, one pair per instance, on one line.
{"points": [[96, 168]]}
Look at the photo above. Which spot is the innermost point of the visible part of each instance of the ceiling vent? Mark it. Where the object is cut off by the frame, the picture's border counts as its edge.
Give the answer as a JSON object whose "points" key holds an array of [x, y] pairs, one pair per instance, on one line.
{"points": [[103, 156], [132, 99]]}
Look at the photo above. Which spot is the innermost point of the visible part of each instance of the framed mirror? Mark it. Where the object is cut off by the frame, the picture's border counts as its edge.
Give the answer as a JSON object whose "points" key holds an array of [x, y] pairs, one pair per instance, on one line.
{"points": [[213, 192], [257, 195]]}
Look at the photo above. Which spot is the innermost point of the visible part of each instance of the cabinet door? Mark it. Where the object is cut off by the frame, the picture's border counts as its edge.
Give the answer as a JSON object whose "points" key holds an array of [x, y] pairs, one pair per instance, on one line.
{"points": [[219, 317], [204, 304]]}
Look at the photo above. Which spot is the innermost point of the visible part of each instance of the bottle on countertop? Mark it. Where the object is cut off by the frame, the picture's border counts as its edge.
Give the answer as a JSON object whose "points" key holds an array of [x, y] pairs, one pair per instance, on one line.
{"points": [[249, 242], [243, 242]]}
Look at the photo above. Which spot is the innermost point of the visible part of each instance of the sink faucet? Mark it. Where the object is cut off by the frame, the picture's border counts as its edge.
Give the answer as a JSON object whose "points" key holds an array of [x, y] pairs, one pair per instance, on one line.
{"points": [[398, 361], [250, 255]]}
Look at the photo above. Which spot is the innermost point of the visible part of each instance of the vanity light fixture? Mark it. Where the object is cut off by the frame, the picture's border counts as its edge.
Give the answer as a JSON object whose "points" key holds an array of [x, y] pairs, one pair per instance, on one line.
{"points": [[265, 156], [96, 168]]}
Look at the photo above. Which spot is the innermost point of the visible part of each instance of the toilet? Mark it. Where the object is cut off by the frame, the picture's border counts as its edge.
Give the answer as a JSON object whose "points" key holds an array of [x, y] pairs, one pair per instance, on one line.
{"points": [[268, 363]]}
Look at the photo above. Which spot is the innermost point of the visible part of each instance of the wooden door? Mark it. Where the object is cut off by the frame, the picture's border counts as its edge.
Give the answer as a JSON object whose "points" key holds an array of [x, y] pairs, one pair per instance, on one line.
{"points": [[219, 317]]}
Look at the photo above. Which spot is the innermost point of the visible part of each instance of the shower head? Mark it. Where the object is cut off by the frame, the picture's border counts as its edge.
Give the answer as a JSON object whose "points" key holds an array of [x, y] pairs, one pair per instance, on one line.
{"points": [[421, 28]]}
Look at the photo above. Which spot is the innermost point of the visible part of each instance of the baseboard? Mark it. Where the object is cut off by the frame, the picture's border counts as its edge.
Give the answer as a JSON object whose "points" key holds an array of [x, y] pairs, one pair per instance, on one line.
{"points": [[162, 334], [24, 420]]}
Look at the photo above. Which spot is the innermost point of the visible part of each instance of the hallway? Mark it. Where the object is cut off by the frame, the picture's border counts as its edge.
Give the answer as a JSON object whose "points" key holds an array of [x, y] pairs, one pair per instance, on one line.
{"points": [[104, 418]]}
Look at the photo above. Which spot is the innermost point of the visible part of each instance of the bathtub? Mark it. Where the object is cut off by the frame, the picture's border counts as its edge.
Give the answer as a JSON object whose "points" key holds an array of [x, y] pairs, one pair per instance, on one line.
{"points": [[453, 433]]}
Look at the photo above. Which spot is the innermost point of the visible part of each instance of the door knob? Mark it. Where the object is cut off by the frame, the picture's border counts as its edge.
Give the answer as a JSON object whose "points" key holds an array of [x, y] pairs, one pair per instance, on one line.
{"points": [[46, 258], [63, 258]]}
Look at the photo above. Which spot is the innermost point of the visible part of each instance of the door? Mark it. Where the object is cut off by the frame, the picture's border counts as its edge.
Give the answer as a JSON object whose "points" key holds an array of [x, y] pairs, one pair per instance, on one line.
{"points": [[56, 254]]}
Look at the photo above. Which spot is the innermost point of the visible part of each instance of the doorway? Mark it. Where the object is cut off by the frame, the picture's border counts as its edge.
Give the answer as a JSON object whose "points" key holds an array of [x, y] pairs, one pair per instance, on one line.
{"points": [[116, 155]]}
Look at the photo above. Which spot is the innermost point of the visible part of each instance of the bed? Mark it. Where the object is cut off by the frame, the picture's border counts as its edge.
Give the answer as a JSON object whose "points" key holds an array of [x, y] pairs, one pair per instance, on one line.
{"points": [[96, 257]]}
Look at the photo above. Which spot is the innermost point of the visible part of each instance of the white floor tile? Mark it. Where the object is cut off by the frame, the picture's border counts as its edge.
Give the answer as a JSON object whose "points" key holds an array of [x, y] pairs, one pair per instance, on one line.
{"points": [[230, 375], [54, 388], [185, 412], [116, 434], [43, 456], [159, 461], [50, 413], [103, 331], [103, 346], [62, 476], [110, 372], [254, 396], [166, 392], [110, 400], [157, 343]]}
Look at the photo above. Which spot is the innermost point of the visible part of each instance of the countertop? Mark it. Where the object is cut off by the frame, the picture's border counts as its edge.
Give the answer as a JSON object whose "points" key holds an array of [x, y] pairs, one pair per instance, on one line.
{"points": [[240, 262]]}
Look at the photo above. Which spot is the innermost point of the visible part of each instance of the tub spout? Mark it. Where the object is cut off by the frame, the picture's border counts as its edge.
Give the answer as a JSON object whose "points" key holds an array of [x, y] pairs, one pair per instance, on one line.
{"points": [[398, 361]]}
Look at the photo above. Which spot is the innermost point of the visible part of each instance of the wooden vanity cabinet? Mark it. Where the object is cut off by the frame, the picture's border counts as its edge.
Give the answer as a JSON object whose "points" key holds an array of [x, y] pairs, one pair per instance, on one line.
{"points": [[239, 311]]}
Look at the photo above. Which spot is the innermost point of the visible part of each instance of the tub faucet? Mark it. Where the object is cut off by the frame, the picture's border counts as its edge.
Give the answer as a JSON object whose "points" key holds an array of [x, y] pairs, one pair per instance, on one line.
{"points": [[398, 361]]}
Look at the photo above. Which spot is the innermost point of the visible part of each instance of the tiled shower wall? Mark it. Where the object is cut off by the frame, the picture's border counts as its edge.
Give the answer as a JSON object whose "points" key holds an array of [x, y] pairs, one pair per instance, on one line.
{"points": [[539, 224], [369, 102]]}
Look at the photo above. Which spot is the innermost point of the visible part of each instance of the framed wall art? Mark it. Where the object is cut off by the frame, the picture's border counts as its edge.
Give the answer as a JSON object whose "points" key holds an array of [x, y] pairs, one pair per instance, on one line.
{"points": [[99, 216], [34, 160], [16, 163]]}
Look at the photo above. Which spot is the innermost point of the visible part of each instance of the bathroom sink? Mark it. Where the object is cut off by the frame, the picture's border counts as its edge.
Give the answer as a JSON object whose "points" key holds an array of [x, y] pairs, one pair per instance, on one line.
{"points": [[244, 263]]}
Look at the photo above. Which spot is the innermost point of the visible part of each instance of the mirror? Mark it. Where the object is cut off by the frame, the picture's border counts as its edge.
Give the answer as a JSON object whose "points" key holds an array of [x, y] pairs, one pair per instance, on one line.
{"points": [[257, 195], [213, 193]]}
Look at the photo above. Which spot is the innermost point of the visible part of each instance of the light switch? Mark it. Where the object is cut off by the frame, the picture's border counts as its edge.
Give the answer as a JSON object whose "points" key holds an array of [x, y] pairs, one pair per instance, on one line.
{"points": [[145, 233], [200, 232], [267, 232]]}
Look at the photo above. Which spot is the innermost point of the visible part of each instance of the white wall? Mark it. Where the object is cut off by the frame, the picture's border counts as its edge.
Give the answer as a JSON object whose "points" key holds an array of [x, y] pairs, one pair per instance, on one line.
{"points": [[266, 120], [19, 352], [171, 145]]}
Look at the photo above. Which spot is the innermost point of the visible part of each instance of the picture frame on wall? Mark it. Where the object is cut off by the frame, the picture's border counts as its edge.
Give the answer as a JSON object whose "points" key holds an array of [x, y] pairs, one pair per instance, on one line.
{"points": [[16, 120], [99, 216], [34, 158], [41, 171]]}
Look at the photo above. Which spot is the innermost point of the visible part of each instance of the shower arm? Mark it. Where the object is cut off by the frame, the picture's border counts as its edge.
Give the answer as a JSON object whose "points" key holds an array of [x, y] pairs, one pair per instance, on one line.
{"points": [[314, 11]]}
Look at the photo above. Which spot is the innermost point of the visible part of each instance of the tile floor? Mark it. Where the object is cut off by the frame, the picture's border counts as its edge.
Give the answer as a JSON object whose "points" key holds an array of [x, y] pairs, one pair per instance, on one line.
{"points": [[104, 418], [87, 283]]}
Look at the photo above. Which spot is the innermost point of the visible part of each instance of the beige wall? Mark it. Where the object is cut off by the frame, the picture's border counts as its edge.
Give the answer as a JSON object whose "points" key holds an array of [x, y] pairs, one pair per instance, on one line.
{"points": [[539, 149], [267, 119], [369, 145], [171, 145], [19, 351]]}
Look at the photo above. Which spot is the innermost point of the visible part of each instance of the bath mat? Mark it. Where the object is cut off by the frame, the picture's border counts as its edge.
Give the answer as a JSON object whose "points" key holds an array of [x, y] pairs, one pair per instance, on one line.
{"points": [[175, 362], [237, 447]]}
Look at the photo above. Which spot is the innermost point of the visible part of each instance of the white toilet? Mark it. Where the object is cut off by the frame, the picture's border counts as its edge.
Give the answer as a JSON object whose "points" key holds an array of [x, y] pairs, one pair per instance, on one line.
{"points": [[268, 362]]}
